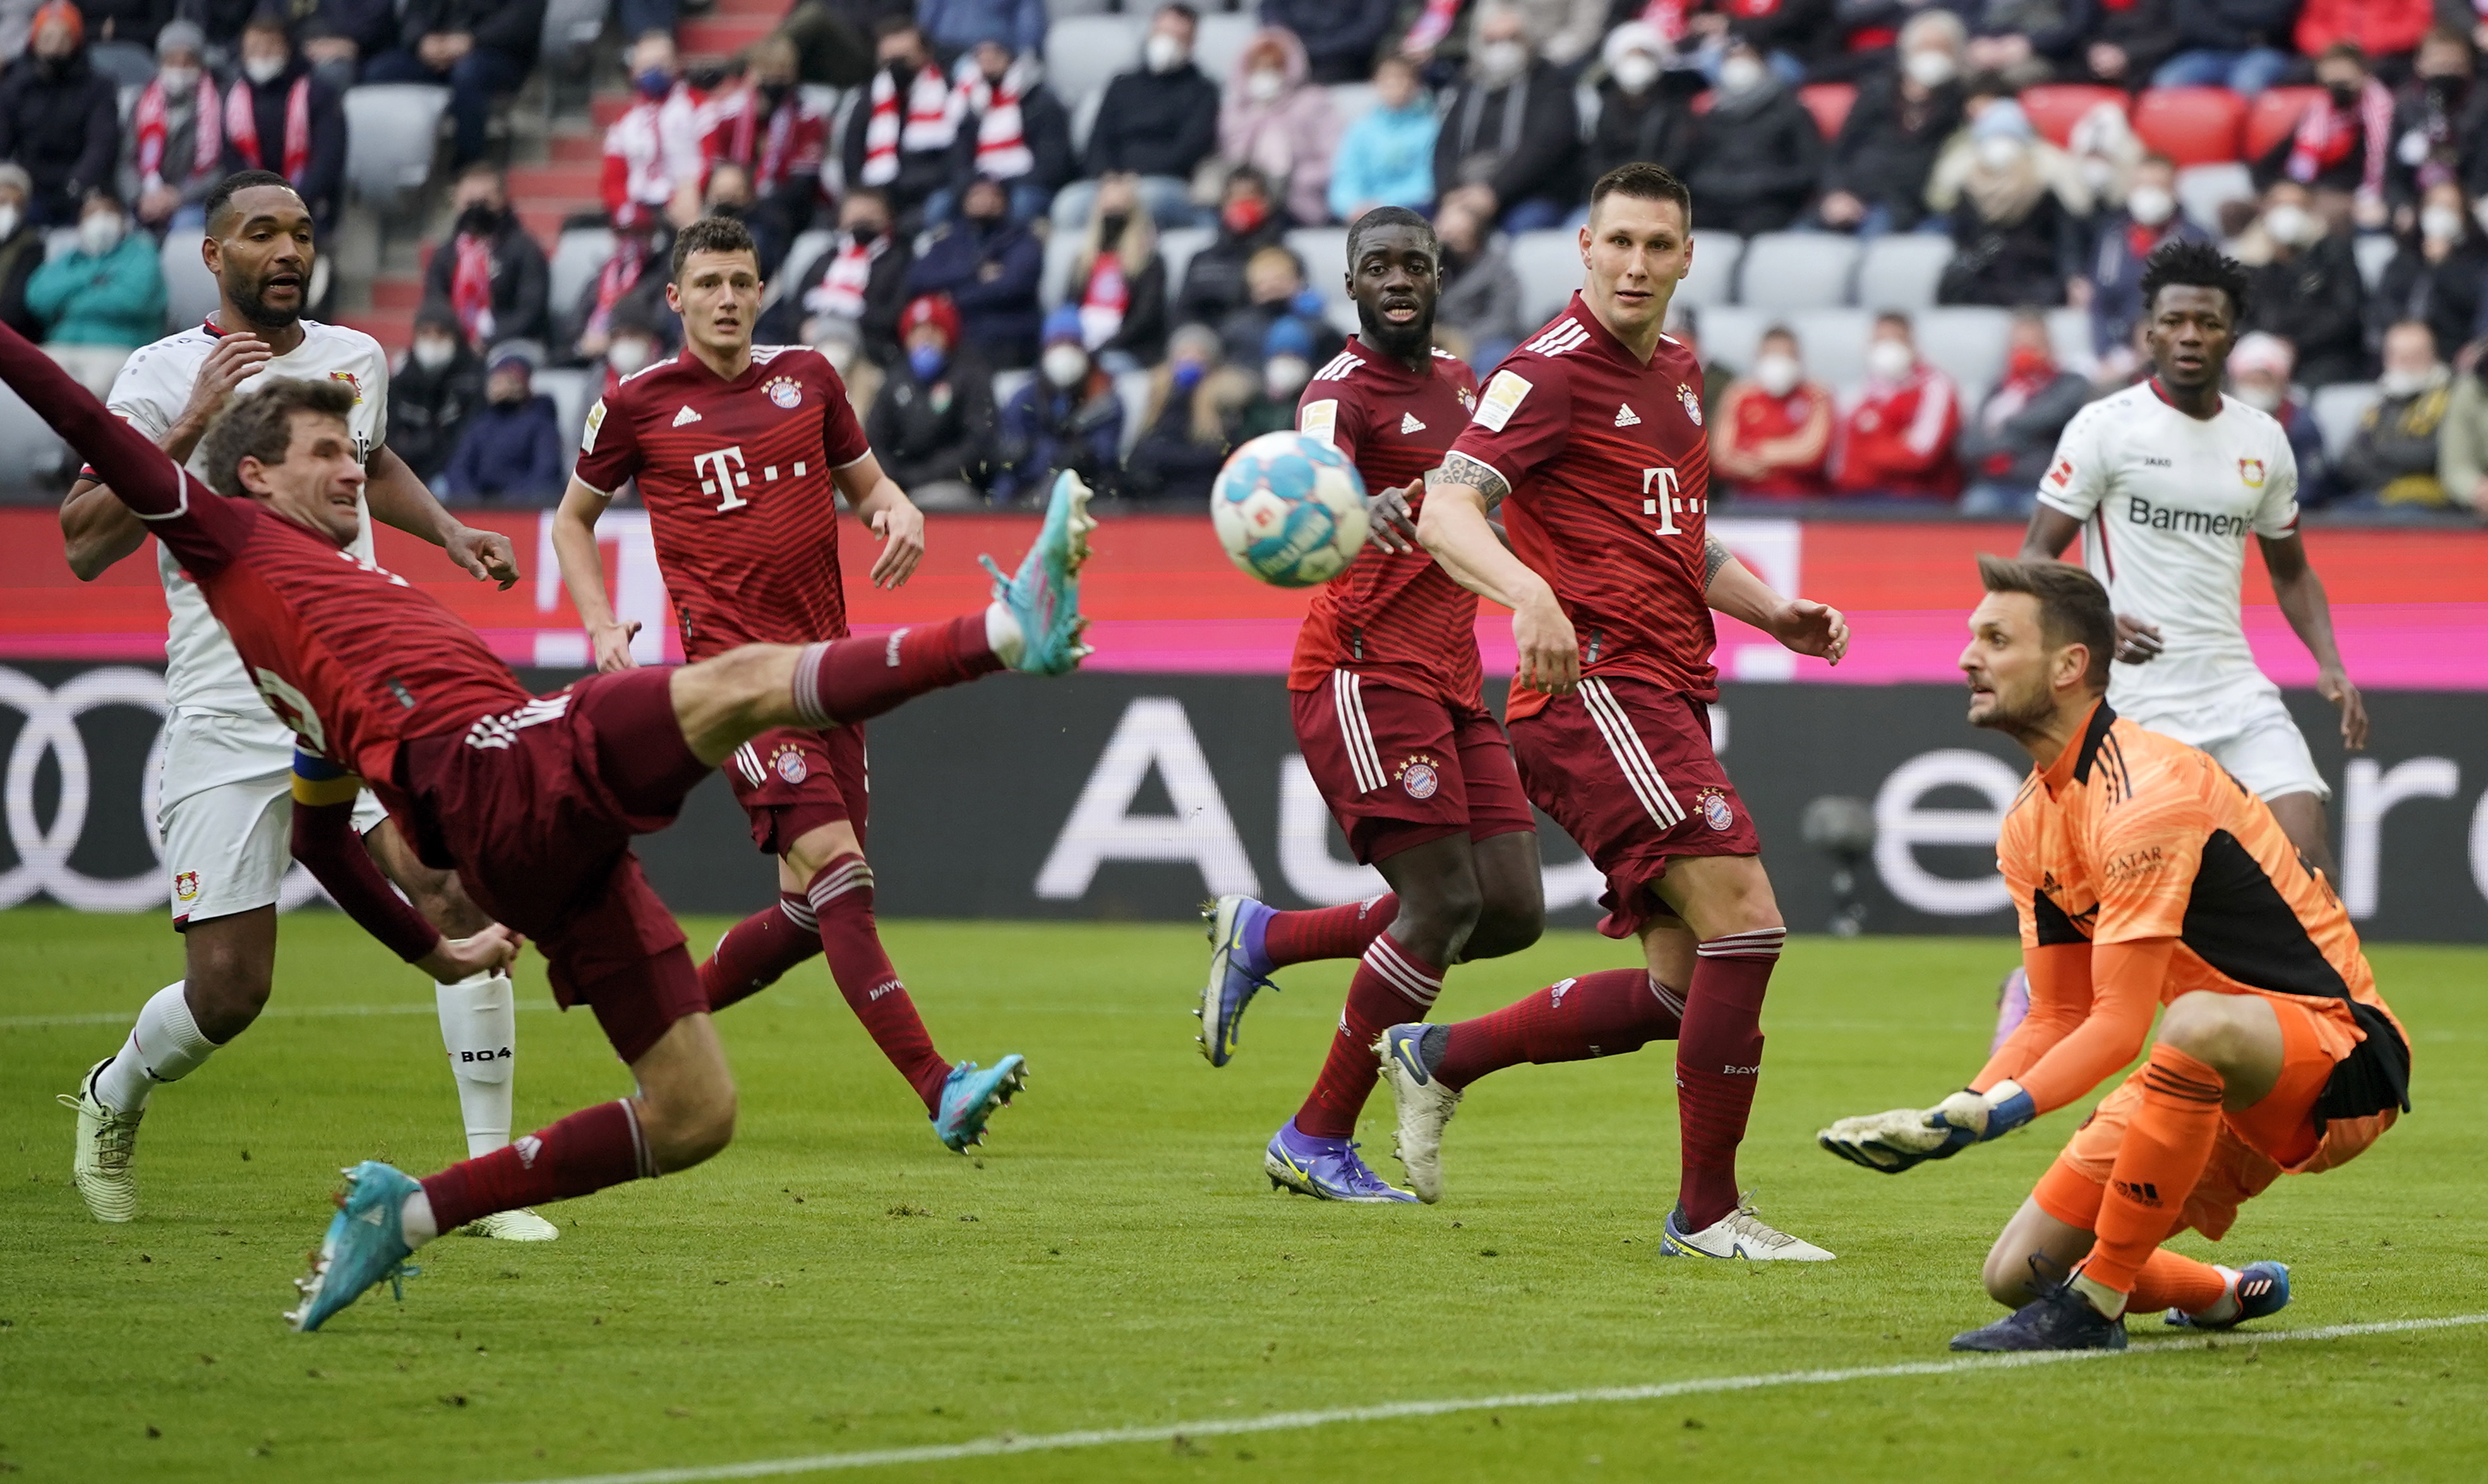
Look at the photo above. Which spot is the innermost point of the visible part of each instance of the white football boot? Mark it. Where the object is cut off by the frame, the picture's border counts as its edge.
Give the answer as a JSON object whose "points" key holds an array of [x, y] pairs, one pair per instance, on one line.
{"points": [[1425, 1105], [1738, 1234], [513, 1226], [106, 1143]]}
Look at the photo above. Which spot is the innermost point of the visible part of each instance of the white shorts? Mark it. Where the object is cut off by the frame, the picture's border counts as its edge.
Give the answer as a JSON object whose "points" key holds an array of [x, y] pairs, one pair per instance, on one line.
{"points": [[227, 818], [2250, 733]]}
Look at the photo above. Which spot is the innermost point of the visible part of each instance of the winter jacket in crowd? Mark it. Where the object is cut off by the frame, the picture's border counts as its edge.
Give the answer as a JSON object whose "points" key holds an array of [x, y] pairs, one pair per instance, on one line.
{"points": [[513, 28], [511, 454], [1162, 124], [1887, 145], [927, 433], [114, 298], [2392, 458], [1213, 282], [956, 26], [522, 279], [1290, 139], [885, 296], [428, 410], [2123, 246], [991, 273], [2012, 438], [1340, 36], [321, 179], [1385, 158], [22, 253], [1047, 429], [1481, 295], [62, 121], [1897, 438], [2313, 298], [1752, 162], [1523, 139], [1649, 125], [2444, 296]]}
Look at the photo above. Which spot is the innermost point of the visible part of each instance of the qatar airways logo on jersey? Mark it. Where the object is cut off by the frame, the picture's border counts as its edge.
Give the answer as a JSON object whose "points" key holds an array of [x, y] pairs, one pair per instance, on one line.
{"points": [[1663, 497], [722, 473]]}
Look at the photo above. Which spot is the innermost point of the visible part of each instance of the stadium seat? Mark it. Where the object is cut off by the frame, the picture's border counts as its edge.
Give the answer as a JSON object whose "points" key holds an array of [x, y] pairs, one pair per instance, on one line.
{"points": [[1082, 53], [2191, 126], [2056, 108], [2373, 250], [1059, 10], [1084, 120], [1586, 105], [1177, 247], [1968, 343], [570, 28], [2203, 189], [572, 389], [1787, 270], [1714, 279], [1060, 248], [1829, 102], [800, 254], [1132, 389], [1220, 42], [1832, 342], [190, 292], [1007, 385], [1900, 270], [2069, 338], [28, 445], [2275, 117], [1728, 334], [1549, 265], [580, 256], [390, 130], [1353, 101], [2337, 410], [1324, 253]]}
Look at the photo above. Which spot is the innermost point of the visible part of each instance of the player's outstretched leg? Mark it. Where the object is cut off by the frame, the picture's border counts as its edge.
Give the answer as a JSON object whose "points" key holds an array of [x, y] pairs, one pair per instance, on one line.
{"points": [[1249, 941]]}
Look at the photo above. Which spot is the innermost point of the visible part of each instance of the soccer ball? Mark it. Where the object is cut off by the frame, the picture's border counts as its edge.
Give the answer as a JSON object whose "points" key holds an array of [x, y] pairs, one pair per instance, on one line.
{"points": [[1290, 510]]}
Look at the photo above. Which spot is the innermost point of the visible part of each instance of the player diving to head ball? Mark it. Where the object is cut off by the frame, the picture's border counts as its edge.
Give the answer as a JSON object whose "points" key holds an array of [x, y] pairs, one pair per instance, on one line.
{"points": [[228, 774], [532, 799], [741, 453], [1590, 437], [1390, 713], [2145, 874]]}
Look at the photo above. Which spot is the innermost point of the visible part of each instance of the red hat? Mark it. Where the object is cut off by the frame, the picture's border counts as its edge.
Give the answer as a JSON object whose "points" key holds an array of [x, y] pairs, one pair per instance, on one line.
{"points": [[935, 310], [60, 10]]}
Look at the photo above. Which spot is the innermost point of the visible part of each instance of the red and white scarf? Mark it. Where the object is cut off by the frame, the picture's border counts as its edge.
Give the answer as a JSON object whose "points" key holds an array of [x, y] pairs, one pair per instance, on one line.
{"points": [[621, 272], [241, 126], [2324, 134], [841, 289], [1104, 301], [470, 287], [154, 122], [931, 122], [1001, 151], [769, 170]]}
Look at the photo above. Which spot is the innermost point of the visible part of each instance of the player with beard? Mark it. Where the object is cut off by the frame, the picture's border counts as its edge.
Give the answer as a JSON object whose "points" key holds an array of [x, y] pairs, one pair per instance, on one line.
{"points": [[1390, 713], [228, 761]]}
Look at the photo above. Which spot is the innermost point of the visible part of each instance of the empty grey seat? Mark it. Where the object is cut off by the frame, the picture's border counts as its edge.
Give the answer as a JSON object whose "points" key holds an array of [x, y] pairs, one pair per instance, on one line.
{"points": [[1324, 252], [1549, 265], [577, 259], [28, 445], [1177, 247], [2202, 190], [570, 28], [1832, 343], [1900, 270], [1061, 249], [1219, 42], [1969, 344], [1714, 278], [571, 389], [1082, 53], [1084, 120], [1132, 389], [1796, 271], [1353, 101], [2068, 337], [2373, 250], [1728, 335], [2337, 411], [390, 130], [190, 292]]}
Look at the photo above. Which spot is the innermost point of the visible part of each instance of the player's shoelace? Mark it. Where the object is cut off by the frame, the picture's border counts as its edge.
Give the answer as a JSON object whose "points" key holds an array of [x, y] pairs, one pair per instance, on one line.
{"points": [[1746, 1223], [115, 1135]]}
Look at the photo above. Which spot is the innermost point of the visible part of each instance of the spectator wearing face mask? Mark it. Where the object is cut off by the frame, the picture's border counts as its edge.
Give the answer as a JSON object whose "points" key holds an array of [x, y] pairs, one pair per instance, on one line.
{"points": [[2306, 288], [2461, 440], [2015, 212], [278, 116], [1068, 417], [1288, 357], [21, 251], [901, 132], [654, 153], [1213, 282], [60, 119], [1340, 35], [2391, 460], [2440, 120], [842, 347], [433, 388], [479, 49], [1642, 113], [1510, 134], [174, 153], [635, 343], [2259, 374], [932, 423], [101, 299], [834, 39], [989, 266], [1158, 122], [729, 193], [511, 451], [1275, 281], [776, 138], [1280, 125], [2241, 45], [858, 280], [1875, 179], [1479, 314], [1796, 36], [489, 274], [2342, 140], [1772, 433], [2124, 240], [2006, 447], [1194, 410], [623, 288], [2436, 274], [2104, 154], [1015, 131], [1565, 33], [1118, 281], [1387, 157], [1896, 439], [1753, 159]]}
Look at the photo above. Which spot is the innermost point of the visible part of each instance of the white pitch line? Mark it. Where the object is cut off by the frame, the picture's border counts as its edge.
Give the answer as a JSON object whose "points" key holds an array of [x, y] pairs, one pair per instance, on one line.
{"points": [[1291, 1421], [277, 1012]]}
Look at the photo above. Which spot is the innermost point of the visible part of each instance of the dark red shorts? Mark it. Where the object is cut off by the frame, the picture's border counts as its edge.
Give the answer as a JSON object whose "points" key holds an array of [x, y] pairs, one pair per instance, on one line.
{"points": [[1399, 767], [1626, 767], [535, 808], [794, 780]]}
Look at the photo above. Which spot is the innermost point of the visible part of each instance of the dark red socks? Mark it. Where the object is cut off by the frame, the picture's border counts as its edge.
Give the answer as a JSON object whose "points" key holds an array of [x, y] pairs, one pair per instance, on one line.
{"points": [[1605, 1013], [758, 951], [1718, 1059], [1328, 933], [585, 1152], [846, 681], [1391, 986], [842, 899]]}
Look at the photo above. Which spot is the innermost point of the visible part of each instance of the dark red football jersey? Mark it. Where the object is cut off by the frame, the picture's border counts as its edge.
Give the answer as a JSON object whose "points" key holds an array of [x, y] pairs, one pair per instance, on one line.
{"points": [[1610, 476], [1395, 617], [736, 478]]}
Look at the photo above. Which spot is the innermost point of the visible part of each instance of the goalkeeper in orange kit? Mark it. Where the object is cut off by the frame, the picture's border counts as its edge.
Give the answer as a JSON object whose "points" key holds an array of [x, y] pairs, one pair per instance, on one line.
{"points": [[2144, 876]]}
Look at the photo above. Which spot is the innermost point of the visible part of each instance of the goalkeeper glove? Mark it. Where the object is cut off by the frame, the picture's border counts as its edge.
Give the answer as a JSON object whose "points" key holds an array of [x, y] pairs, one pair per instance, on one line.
{"points": [[1975, 1117]]}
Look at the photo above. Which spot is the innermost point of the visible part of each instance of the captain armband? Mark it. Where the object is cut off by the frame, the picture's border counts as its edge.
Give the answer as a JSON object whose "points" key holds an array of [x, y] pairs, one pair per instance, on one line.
{"points": [[317, 781]]}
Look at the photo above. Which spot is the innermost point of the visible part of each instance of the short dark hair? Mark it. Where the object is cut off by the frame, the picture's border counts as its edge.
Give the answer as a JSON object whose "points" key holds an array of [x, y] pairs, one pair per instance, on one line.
{"points": [[2072, 606], [2194, 266], [1191, 16], [270, 17], [220, 195], [713, 234], [1643, 181], [260, 426], [1382, 216]]}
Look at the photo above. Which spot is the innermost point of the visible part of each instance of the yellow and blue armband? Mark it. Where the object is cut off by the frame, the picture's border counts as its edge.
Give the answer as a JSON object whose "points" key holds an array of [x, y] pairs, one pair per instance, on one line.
{"points": [[318, 781]]}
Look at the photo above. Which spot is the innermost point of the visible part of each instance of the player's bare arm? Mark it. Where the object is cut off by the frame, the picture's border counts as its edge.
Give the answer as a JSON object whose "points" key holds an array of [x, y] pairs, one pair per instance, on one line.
{"points": [[892, 518], [400, 499], [2050, 532], [2300, 593], [99, 529], [1454, 530], [583, 572], [1799, 624]]}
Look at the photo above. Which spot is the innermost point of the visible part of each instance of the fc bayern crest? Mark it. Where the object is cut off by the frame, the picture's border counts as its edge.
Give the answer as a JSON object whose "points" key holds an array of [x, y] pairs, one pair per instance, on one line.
{"points": [[786, 392], [790, 766], [1692, 403], [1420, 779], [1716, 811]]}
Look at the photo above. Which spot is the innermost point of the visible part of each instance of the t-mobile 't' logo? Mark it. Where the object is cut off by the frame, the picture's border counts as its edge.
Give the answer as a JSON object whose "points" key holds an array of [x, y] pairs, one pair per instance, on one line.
{"points": [[722, 474]]}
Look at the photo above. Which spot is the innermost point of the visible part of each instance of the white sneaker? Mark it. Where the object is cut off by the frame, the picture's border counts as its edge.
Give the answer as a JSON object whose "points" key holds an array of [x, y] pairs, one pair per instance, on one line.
{"points": [[1738, 1234], [106, 1142], [1424, 1107], [513, 1226]]}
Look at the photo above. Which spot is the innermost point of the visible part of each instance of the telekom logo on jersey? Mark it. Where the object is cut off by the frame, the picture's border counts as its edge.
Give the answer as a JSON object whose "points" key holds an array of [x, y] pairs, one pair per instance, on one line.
{"points": [[722, 473], [1659, 497]]}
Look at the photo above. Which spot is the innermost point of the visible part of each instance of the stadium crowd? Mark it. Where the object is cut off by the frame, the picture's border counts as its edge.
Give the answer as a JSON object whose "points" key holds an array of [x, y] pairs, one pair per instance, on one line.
{"points": [[1111, 241]]}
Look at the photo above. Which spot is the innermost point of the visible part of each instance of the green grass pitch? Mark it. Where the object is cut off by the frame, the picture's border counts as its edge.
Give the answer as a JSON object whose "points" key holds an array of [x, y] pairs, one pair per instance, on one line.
{"points": [[836, 1282]]}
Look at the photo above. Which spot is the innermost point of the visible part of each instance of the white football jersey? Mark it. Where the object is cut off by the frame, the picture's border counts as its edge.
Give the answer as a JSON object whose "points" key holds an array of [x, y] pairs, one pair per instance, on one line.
{"points": [[202, 672], [2167, 502]]}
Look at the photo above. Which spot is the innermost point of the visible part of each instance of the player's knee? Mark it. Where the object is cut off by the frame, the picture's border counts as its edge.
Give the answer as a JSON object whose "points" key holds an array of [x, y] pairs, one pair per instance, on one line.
{"points": [[686, 1131], [227, 986], [1506, 927], [2007, 1277], [2206, 1027], [1437, 920]]}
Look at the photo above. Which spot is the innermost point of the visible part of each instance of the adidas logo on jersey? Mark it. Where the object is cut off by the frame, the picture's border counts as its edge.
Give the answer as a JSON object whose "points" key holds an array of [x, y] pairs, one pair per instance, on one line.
{"points": [[686, 415], [1408, 423], [1625, 417]]}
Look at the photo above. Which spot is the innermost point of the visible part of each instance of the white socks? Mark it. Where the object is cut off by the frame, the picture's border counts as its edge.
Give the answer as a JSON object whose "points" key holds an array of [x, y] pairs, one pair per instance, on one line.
{"points": [[165, 1046], [479, 1028], [2224, 1308], [415, 1216], [1003, 635]]}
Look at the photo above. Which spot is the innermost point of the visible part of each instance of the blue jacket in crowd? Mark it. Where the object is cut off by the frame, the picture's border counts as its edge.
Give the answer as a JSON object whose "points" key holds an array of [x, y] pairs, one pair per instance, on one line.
{"points": [[1385, 158], [116, 299], [509, 453], [1046, 430], [998, 313]]}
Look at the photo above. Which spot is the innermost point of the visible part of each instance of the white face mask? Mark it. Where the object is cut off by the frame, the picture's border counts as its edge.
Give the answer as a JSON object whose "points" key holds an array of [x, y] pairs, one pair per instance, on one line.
{"points": [[2290, 225], [1064, 365], [1284, 376], [627, 356], [2150, 205], [2440, 224], [8, 221], [1999, 151], [432, 354], [2405, 383], [100, 233], [1929, 69], [1263, 85], [1777, 375], [1889, 360], [1163, 52], [1740, 74], [263, 69], [1635, 71], [2098, 174], [840, 354], [2263, 399], [1500, 61], [178, 81]]}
